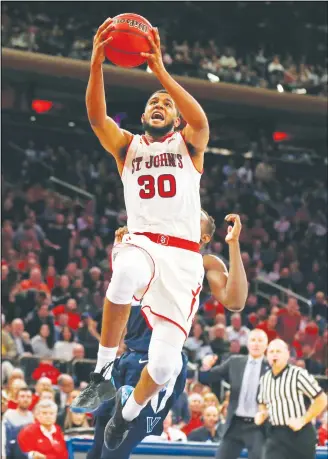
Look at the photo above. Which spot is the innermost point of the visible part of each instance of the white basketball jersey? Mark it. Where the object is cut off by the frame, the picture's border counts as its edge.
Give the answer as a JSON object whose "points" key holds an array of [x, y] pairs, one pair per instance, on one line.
{"points": [[161, 188]]}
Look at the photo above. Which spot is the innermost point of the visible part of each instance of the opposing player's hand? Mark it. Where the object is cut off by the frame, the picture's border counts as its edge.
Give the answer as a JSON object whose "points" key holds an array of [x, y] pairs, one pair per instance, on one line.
{"points": [[296, 424], [100, 40], [155, 60], [119, 233], [208, 362], [233, 231]]}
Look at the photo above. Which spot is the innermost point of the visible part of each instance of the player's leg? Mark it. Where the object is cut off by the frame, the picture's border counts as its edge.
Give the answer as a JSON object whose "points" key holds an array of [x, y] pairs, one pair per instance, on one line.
{"points": [[164, 353], [133, 271]]}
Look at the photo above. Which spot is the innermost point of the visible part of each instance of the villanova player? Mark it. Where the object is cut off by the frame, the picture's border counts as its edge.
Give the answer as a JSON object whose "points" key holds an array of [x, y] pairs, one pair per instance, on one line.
{"points": [[127, 369]]}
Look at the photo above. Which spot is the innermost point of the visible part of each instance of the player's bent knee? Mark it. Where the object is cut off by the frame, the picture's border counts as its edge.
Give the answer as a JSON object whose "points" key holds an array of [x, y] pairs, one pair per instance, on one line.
{"points": [[163, 360], [131, 273], [122, 286]]}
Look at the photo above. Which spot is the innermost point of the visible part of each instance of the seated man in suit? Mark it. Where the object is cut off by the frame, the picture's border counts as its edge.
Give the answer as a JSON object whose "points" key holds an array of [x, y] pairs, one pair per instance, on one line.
{"points": [[243, 373]]}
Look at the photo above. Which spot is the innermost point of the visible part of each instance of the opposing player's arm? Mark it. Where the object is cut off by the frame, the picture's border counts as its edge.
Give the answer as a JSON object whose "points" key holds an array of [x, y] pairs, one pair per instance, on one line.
{"points": [[196, 133], [225, 287], [112, 138]]}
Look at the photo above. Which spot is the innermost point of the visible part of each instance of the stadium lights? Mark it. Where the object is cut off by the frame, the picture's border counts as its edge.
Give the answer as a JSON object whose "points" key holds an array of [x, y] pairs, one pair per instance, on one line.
{"points": [[32, 118], [280, 88], [71, 124], [213, 78]]}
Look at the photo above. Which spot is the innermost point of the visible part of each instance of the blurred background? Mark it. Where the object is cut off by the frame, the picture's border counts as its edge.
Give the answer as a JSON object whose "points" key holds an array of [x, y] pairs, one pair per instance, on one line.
{"points": [[260, 72]]}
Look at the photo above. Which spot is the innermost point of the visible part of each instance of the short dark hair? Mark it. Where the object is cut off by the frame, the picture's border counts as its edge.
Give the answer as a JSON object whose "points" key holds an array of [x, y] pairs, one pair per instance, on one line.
{"points": [[164, 91], [210, 226], [24, 389]]}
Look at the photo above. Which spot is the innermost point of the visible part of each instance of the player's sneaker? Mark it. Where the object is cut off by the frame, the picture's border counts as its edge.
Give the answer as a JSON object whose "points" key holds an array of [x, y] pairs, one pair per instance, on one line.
{"points": [[117, 427], [99, 390]]}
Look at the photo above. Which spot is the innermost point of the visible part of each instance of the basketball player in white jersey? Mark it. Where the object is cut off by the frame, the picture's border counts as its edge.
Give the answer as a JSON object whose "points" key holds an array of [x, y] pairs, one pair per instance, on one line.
{"points": [[159, 260]]}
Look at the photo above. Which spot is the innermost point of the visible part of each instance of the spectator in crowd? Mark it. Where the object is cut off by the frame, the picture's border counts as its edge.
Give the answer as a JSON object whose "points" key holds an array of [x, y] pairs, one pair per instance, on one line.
{"points": [[211, 399], [17, 333], [46, 369], [196, 405], [21, 415], [39, 317], [313, 367], [62, 293], [170, 431], [74, 318], [289, 320], [87, 336], [197, 343], [44, 438], [66, 385], [62, 413], [63, 348], [236, 331], [73, 420], [219, 344], [211, 431], [15, 419], [13, 388], [269, 327], [39, 343]]}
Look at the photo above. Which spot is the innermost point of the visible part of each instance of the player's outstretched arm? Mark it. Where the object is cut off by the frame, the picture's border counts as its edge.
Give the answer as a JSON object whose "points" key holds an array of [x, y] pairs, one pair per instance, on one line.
{"points": [[229, 288], [197, 130], [112, 138]]}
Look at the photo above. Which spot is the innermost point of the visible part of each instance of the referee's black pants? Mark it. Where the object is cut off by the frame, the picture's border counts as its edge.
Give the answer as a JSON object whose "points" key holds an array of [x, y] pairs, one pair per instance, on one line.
{"points": [[284, 443]]}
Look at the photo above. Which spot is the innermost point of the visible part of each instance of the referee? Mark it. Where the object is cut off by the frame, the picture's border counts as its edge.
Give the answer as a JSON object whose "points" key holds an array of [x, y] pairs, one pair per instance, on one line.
{"points": [[282, 397]]}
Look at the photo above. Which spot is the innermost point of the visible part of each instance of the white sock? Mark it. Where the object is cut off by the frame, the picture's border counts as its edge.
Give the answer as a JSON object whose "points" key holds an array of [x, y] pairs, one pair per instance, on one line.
{"points": [[105, 355], [131, 409]]}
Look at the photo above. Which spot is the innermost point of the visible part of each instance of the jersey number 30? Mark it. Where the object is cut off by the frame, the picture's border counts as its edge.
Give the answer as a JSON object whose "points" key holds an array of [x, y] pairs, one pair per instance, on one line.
{"points": [[166, 186]]}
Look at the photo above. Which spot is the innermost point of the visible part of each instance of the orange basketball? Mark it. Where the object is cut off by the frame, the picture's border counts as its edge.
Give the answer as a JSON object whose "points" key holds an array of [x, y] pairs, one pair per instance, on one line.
{"points": [[129, 40]]}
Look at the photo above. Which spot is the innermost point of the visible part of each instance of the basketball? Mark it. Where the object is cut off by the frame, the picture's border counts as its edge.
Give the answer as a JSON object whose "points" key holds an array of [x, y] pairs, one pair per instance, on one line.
{"points": [[129, 40]]}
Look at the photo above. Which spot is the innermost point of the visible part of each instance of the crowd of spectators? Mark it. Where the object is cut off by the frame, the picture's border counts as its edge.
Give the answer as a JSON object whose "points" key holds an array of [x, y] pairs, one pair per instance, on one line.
{"points": [[45, 31], [55, 273]]}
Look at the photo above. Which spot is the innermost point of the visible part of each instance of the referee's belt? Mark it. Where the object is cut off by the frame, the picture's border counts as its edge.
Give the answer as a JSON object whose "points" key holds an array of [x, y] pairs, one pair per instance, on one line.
{"points": [[242, 418], [172, 241]]}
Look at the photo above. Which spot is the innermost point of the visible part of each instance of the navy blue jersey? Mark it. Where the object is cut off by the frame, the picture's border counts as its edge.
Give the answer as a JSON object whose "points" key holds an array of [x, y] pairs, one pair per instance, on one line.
{"points": [[138, 334], [126, 372]]}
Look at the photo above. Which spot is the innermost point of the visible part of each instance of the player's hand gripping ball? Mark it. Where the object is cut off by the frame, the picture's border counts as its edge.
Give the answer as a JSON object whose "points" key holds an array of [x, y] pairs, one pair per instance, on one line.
{"points": [[128, 36]]}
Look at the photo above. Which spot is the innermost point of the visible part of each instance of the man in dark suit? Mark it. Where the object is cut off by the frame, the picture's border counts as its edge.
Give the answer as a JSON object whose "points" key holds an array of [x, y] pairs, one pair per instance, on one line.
{"points": [[243, 373]]}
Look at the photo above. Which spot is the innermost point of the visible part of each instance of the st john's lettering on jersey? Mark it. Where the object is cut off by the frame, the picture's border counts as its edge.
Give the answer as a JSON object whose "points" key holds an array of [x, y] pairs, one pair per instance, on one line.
{"points": [[162, 160]]}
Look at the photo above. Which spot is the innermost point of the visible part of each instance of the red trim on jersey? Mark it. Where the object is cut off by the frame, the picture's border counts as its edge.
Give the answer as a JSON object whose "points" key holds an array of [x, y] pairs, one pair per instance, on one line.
{"points": [[144, 138], [194, 299], [126, 154], [160, 140], [172, 241], [162, 317], [185, 142]]}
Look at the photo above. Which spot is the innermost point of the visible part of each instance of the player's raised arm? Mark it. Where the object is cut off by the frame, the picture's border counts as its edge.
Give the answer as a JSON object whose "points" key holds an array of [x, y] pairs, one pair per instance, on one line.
{"points": [[230, 288], [196, 132], [112, 138]]}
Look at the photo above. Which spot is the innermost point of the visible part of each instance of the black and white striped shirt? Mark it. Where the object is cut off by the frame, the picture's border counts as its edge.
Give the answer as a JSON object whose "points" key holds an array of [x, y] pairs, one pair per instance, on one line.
{"points": [[284, 394]]}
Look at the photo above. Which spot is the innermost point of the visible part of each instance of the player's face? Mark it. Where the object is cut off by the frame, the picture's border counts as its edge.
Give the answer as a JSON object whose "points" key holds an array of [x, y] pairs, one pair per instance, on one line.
{"points": [[160, 115]]}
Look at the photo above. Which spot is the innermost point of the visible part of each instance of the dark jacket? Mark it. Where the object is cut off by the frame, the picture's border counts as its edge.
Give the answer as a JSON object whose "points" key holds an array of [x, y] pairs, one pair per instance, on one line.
{"points": [[232, 371]]}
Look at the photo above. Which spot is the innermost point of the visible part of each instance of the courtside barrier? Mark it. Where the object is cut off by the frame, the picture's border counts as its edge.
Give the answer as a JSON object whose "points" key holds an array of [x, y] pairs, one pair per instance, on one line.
{"points": [[172, 449]]}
